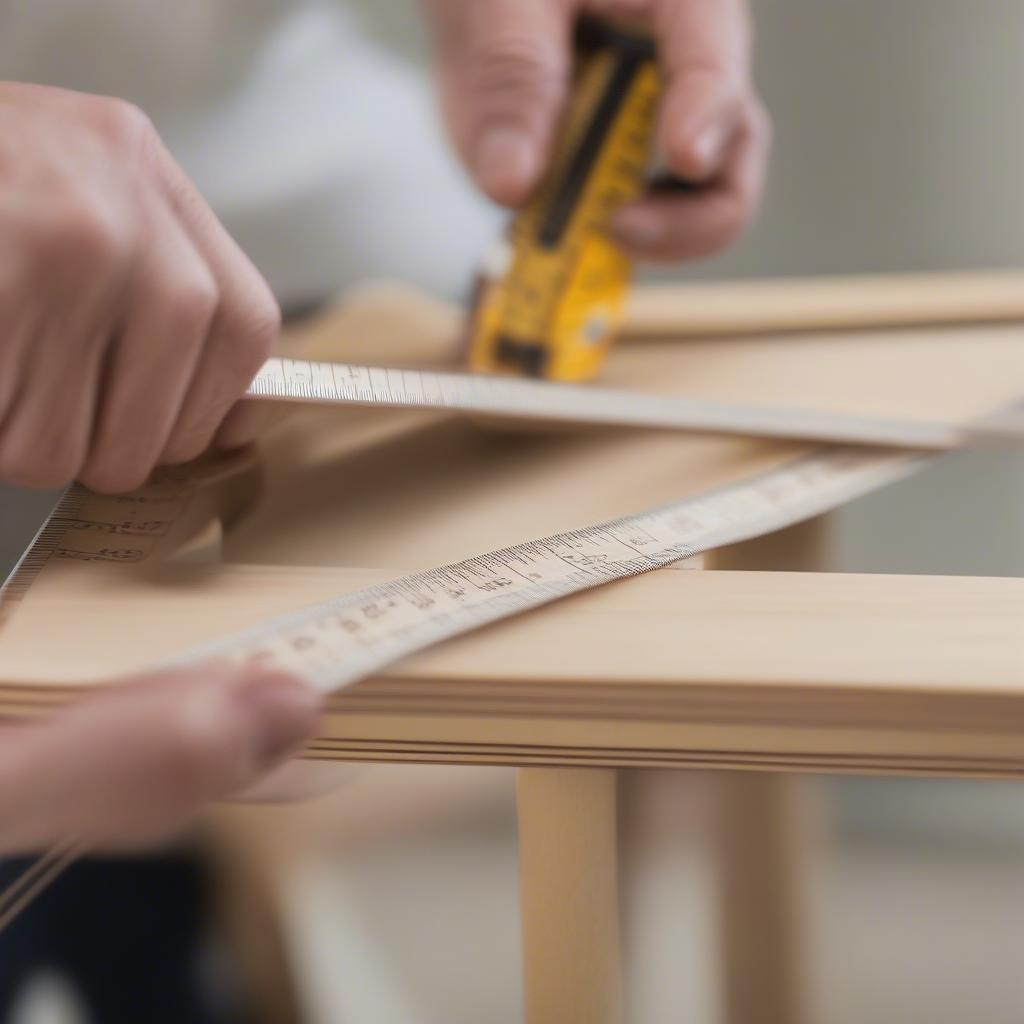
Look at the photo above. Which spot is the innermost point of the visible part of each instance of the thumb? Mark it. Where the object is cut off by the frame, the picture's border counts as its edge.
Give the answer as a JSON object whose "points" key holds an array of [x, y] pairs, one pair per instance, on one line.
{"points": [[130, 765], [504, 72]]}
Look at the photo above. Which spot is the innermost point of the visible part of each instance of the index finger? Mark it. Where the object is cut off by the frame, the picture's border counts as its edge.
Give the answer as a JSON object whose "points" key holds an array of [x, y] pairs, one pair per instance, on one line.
{"points": [[704, 50], [246, 323]]}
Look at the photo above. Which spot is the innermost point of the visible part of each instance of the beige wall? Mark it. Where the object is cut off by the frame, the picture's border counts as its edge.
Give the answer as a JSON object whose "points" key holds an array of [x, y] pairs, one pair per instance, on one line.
{"points": [[899, 142]]}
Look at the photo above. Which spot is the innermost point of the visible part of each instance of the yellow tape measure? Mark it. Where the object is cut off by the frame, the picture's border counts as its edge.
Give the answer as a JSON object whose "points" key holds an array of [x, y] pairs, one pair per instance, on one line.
{"points": [[552, 302]]}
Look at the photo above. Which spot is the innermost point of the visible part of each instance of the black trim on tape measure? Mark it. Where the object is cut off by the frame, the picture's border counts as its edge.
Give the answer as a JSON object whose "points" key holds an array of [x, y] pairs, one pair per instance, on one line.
{"points": [[528, 357], [559, 212], [669, 185], [593, 34]]}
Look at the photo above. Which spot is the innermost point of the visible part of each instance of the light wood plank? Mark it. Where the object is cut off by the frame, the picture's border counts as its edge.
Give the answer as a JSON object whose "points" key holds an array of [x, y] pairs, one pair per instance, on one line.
{"points": [[819, 662], [802, 632], [802, 668], [818, 303]]}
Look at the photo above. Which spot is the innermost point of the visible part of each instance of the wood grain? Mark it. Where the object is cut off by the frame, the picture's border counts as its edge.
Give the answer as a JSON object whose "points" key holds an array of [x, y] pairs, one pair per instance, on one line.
{"points": [[568, 867], [820, 669], [769, 669]]}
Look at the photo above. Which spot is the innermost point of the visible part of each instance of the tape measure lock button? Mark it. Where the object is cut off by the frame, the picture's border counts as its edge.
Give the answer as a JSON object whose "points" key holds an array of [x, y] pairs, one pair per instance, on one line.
{"points": [[597, 326]]}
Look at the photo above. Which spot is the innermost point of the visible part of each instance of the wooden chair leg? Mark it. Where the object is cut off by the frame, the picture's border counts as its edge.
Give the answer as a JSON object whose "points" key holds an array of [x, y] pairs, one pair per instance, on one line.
{"points": [[569, 895], [765, 841], [568, 848], [764, 846]]}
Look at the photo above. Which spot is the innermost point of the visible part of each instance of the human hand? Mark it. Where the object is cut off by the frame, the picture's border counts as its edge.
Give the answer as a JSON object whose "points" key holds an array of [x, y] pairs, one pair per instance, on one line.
{"points": [[128, 766], [130, 322], [504, 75]]}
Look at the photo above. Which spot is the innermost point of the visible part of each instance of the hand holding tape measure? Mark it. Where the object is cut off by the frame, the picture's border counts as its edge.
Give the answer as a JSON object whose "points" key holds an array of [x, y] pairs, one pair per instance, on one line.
{"points": [[506, 77], [552, 300], [552, 296]]}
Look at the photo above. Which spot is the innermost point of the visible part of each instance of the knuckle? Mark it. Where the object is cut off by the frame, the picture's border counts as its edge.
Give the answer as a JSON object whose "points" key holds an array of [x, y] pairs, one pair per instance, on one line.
{"points": [[120, 122], [517, 69], [242, 346], [193, 303], [249, 342], [82, 233]]}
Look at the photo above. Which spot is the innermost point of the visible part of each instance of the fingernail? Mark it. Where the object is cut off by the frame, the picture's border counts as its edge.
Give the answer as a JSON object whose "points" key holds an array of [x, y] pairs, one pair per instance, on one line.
{"points": [[284, 712], [507, 162], [637, 227], [707, 147]]}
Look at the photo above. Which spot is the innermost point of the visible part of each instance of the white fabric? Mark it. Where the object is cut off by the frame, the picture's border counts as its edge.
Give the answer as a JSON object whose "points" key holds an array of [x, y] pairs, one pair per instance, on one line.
{"points": [[321, 152]]}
